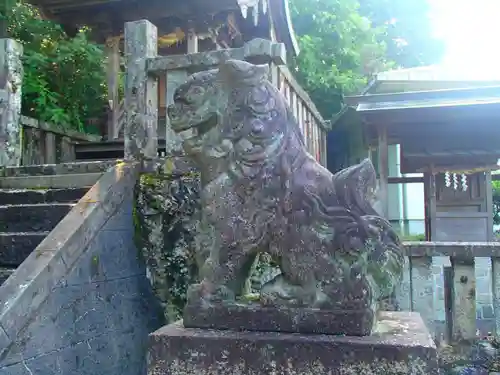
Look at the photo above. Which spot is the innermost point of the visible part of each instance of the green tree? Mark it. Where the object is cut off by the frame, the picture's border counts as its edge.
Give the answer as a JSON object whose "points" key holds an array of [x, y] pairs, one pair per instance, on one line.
{"points": [[64, 78], [344, 42], [340, 50], [408, 32]]}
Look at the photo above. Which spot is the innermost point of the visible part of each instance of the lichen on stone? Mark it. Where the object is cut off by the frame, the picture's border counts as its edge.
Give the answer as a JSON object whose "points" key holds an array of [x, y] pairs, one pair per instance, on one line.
{"points": [[165, 216], [412, 366]]}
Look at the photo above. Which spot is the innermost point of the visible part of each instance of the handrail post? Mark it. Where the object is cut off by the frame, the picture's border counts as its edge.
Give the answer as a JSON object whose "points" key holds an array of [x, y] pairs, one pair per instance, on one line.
{"points": [[11, 75], [141, 92]]}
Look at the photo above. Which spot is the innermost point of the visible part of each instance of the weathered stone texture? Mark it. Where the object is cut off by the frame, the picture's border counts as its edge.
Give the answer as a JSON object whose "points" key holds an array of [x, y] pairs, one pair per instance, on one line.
{"points": [[261, 50], [165, 219], [174, 78], [141, 92], [93, 304], [263, 193], [401, 346], [11, 73]]}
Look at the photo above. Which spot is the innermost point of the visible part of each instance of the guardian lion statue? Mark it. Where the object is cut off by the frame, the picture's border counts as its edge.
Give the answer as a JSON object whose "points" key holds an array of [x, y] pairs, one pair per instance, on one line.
{"points": [[263, 192]]}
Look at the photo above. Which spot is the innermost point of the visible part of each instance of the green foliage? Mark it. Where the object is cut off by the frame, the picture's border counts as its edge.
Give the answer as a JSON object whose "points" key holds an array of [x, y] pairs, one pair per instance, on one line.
{"points": [[64, 78], [345, 42], [340, 49], [408, 33]]}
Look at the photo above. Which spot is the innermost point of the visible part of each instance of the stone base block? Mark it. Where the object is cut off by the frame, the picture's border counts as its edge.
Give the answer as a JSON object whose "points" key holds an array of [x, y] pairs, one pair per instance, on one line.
{"points": [[269, 319], [401, 345]]}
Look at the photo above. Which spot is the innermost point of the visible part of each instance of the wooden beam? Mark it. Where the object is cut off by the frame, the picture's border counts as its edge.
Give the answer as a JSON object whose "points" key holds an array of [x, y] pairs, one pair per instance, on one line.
{"points": [[461, 93], [82, 13], [113, 70], [264, 51], [405, 180], [451, 249], [383, 169]]}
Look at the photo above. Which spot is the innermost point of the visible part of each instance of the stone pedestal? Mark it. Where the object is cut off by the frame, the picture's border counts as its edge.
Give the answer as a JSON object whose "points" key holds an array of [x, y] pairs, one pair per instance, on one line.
{"points": [[401, 345]]}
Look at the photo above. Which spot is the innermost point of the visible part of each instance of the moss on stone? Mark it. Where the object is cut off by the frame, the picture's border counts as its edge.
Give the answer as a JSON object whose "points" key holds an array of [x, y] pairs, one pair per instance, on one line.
{"points": [[165, 215]]}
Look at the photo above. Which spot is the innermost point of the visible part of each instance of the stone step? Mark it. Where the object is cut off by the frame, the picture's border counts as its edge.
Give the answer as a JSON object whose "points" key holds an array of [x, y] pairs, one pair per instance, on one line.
{"points": [[62, 181], [5, 272], [15, 247], [95, 166], [33, 196], [32, 217]]}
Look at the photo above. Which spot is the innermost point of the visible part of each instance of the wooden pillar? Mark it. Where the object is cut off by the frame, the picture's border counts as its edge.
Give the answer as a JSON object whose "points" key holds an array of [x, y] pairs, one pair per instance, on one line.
{"points": [[141, 92], [113, 70], [489, 206], [430, 205], [67, 150], [11, 76], [192, 41], [50, 148], [383, 169]]}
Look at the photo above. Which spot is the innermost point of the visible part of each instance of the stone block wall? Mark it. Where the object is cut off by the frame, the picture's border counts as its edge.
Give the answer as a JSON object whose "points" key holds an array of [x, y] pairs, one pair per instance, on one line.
{"points": [[96, 318], [484, 302]]}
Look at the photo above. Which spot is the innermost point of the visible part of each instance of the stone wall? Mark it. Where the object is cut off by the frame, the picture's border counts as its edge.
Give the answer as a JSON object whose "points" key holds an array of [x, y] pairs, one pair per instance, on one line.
{"points": [[81, 303]]}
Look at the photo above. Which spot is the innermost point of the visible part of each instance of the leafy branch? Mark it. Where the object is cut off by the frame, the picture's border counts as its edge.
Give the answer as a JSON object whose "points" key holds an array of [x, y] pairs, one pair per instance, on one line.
{"points": [[64, 78]]}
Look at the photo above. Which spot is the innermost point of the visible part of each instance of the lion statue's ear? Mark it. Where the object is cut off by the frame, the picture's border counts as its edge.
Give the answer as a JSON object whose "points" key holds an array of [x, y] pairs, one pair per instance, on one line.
{"points": [[237, 72]]}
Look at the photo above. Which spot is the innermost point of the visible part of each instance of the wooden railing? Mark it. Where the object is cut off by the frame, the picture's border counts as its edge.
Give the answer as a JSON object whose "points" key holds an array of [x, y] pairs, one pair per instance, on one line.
{"points": [[117, 122], [312, 124], [45, 143], [417, 291]]}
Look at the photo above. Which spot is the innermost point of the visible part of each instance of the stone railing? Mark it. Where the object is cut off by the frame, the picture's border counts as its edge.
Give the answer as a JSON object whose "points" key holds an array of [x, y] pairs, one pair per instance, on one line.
{"points": [[145, 66], [313, 126], [46, 143], [418, 290]]}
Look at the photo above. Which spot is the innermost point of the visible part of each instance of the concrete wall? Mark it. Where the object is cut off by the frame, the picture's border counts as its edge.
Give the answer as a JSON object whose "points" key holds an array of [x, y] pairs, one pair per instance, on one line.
{"points": [[96, 308]]}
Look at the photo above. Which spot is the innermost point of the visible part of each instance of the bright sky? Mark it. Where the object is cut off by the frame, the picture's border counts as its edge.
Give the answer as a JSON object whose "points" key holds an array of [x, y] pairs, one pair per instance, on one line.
{"points": [[471, 30]]}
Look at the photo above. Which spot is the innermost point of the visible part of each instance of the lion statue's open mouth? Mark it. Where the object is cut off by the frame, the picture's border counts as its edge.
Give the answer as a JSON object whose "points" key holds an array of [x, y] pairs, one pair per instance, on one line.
{"points": [[195, 106]]}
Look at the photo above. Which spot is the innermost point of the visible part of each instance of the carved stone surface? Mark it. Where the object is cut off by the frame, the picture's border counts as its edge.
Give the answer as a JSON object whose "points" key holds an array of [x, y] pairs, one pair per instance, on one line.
{"points": [[141, 92], [11, 75], [401, 345], [262, 192]]}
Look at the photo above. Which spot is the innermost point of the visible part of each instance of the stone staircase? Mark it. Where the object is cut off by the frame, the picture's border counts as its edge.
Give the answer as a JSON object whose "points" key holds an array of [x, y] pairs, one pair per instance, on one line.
{"points": [[33, 200]]}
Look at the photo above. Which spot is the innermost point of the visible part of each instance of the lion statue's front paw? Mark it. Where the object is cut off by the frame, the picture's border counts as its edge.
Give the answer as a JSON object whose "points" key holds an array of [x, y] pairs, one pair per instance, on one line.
{"points": [[205, 293], [280, 292]]}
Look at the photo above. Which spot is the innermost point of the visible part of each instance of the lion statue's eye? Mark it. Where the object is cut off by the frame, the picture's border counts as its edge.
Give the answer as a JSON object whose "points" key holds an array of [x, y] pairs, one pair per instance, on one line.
{"points": [[196, 91], [258, 128]]}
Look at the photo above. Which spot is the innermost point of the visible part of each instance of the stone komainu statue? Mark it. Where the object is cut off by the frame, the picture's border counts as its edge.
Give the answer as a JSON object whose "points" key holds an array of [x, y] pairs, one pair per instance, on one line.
{"points": [[263, 192]]}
